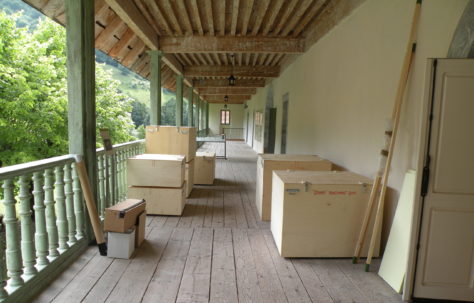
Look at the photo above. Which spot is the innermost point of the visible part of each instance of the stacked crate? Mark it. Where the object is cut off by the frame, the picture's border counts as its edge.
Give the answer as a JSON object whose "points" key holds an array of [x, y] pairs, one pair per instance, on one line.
{"points": [[174, 140], [159, 179], [267, 163], [205, 166], [317, 214]]}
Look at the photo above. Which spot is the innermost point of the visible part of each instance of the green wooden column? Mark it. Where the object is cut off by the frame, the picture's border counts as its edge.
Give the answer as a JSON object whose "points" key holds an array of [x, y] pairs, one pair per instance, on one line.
{"points": [[81, 85], [198, 113], [155, 87], [190, 107], [207, 117], [179, 100]]}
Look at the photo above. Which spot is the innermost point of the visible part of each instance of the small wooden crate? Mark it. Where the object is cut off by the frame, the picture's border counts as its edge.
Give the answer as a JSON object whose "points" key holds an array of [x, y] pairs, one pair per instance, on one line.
{"points": [[189, 177], [204, 168], [161, 200], [319, 214], [267, 163], [171, 140], [156, 170]]}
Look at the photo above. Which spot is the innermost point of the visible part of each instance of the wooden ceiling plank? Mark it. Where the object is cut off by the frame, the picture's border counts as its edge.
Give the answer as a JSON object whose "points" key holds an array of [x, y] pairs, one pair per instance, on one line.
{"points": [[197, 17], [210, 17], [123, 42], [221, 17], [158, 16], [38, 4], [247, 11], [169, 12], [259, 16], [287, 12], [227, 44], [247, 59], [271, 18], [187, 59], [225, 83], [53, 7], [262, 59], [184, 17], [235, 16], [269, 59], [216, 57], [301, 9], [149, 18], [106, 38], [133, 54], [224, 58], [239, 58], [331, 15], [308, 16], [255, 59], [209, 59], [232, 99], [140, 62], [258, 71], [227, 90]]}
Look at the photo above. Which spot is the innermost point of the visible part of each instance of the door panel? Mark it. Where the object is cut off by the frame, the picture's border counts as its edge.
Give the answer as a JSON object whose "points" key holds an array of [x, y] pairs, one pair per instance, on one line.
{"points": [[445, 263]]}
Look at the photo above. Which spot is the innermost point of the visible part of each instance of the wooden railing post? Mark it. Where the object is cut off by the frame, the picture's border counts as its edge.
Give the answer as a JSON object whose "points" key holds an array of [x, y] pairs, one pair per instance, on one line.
{"points": [[60, 208], [13, 253], [78, 203], [41, 238], [71, 219], [50, 213], [101, 186], [27, 245]]}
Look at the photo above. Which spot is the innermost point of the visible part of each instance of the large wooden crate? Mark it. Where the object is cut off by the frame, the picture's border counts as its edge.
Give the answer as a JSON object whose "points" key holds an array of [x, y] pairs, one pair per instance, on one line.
{"points": [[171, 140], [267, 163], [189, 177], [156, 170], [160, 200], [319, 214], [204, 168]]}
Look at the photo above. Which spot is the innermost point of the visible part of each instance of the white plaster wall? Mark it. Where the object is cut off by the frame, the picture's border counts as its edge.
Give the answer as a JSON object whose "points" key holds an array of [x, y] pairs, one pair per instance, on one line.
{"points": [[236, 117], [342, 90]]}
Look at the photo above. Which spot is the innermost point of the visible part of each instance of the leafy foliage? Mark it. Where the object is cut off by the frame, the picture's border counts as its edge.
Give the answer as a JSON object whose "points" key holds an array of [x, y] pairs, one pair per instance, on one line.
{"points": [[33, 94]]}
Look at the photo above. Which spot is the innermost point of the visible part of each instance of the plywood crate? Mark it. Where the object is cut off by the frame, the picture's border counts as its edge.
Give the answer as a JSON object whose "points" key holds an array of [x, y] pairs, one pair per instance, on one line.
{"points": [[189, 177], [121, 245], [171, 140], [161, 200], [204, 168], [319, 214], [267, 163], [123, 216], [156, 170]]}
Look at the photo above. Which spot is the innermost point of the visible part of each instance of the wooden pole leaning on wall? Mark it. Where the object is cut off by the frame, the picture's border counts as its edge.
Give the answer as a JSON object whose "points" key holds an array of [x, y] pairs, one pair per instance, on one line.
{"points": [[91, 205], [381, 179]]}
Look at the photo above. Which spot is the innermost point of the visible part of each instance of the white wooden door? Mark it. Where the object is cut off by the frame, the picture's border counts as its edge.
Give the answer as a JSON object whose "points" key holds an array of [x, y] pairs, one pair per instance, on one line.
{"points": [[445, 262]]}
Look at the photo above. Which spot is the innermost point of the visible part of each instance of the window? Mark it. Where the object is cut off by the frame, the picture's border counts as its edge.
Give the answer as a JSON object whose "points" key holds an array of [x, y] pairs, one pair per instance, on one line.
{"points": [[225, 117]]}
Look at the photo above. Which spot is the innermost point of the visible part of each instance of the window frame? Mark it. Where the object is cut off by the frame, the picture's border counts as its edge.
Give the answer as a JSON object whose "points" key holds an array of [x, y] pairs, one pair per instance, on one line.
{"points": [[221, 120]]}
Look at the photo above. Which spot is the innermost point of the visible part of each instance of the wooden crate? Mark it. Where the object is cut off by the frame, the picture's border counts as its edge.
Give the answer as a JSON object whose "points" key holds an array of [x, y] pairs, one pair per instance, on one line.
{"points": [[189, 177], [204, 168], [171, 140], [319, 214], [161, 200], [156, 170], [267, 163]]}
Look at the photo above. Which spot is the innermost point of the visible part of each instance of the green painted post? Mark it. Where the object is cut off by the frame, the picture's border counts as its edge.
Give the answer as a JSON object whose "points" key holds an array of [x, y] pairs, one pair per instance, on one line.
{"points": [[80, 41], [41, 238], [102, 186], [71, 219], [60, 208], [13, 253], [198, 114], [155, 87], [207, 117], [190, 107], [179, 100], [27, 245], [78, 205], [3, 265], [50, 213]]}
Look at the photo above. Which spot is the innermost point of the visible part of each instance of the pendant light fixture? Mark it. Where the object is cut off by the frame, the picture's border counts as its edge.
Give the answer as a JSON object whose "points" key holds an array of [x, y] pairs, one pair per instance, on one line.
{"points": [[232, 78]]}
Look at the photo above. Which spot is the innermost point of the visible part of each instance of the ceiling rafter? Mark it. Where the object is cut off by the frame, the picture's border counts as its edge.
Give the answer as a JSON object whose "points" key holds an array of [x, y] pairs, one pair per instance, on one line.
{"points": [[227, 90], [201, 83], [258, 71]]}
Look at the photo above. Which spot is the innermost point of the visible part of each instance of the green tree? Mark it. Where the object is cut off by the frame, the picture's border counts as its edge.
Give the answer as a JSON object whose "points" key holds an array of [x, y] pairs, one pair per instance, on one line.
{"points": [[140, 114], [33, 94]]}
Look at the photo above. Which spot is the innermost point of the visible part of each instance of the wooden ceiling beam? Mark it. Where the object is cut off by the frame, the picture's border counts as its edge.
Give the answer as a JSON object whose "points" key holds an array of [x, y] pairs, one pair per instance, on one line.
{"points": [[235, 16], [133, 54], [274, 10], [308, 16], [210, 17], [300, 11], [201, 83], [195, 13], [231, 98], [123, 42], [257, 71], [227, 90], [226, 44]]}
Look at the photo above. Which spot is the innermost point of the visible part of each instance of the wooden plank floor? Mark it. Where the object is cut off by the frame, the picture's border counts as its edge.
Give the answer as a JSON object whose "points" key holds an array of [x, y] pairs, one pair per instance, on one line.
{"points": [[218, 251]]}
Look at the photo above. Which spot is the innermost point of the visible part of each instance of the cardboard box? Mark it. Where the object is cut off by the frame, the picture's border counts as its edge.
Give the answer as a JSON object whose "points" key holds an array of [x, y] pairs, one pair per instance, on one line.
{"points": [[267, 163], [123, 216], [140, 229], [161, 200], [171, 140], [121, 245], [319, 214], [156, 170], [204, 168], [189, 177]]}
